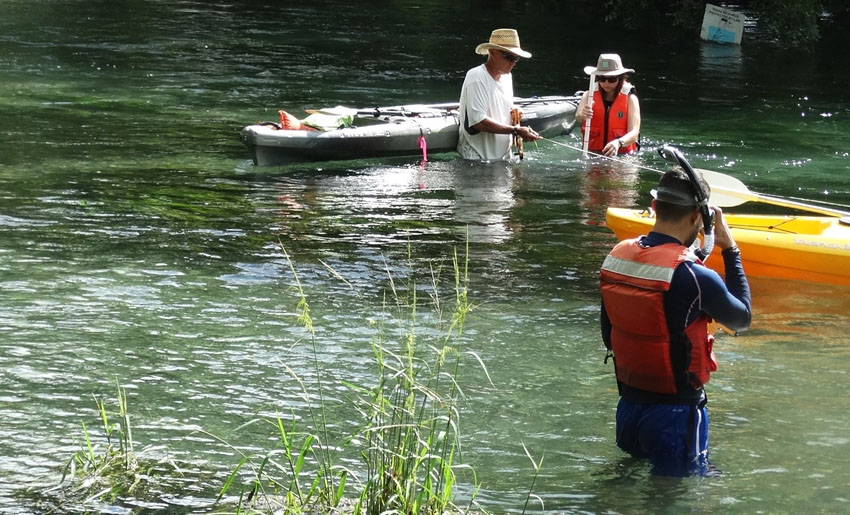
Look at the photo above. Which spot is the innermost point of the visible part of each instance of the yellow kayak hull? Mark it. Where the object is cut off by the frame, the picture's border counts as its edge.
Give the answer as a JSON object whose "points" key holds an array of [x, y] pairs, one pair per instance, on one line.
{"points": [[800, 248]]}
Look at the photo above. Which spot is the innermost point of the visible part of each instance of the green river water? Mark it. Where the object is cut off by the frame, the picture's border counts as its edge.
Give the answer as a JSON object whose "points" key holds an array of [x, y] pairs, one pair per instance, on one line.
{"points": [[138, 243]]}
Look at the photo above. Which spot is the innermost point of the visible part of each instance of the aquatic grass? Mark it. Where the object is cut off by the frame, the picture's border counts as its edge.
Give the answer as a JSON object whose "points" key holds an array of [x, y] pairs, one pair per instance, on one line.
{"points": [[99, 472], [269, 492], [409, 443], [117, 462], [536, 465], [292, 495], [318, 415], [412, 435]]}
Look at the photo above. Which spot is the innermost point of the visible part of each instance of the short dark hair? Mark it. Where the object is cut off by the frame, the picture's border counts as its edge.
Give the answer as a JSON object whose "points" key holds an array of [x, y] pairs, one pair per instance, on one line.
{"points": [[676, 180]]}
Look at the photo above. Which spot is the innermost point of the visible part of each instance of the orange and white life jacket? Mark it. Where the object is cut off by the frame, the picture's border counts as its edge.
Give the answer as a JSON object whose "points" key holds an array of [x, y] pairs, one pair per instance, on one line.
{"points": [[617, 123], [633, 281]]}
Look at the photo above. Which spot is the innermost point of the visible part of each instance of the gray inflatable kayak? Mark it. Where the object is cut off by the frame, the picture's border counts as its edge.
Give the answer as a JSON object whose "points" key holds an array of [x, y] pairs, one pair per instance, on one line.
{"points": [[393, 131]]}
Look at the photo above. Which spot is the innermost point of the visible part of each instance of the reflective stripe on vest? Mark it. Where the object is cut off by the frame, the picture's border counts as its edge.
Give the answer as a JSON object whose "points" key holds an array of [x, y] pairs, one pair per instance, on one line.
{"points": [[638, 270], [633, 282]]}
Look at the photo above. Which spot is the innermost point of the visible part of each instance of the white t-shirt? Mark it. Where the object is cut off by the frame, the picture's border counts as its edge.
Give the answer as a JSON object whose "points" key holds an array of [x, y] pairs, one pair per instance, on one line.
{"points": [[482, 96]]}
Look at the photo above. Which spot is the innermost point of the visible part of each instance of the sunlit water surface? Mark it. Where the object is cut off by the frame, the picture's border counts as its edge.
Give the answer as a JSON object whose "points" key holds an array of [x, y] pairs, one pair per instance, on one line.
{"points": [[138, 244]]}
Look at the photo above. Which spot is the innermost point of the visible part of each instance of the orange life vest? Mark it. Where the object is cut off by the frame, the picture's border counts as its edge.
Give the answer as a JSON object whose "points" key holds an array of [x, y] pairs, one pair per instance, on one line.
{"points": [[634, 280], [618, 123]]}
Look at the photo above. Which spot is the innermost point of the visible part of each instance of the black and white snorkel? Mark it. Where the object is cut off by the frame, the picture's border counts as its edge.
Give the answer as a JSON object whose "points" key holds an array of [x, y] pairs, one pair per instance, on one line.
{"points": [[673, 155]]}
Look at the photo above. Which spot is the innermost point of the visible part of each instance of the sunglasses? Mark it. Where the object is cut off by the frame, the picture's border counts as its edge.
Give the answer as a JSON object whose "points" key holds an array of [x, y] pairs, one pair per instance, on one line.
{"points": [[509, 57], [607, 79]]}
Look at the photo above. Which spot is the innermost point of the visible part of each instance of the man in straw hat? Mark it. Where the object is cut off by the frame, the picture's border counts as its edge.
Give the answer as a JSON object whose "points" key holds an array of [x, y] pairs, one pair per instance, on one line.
{"points": [[486, 100], [657, 301], [615, 112]]}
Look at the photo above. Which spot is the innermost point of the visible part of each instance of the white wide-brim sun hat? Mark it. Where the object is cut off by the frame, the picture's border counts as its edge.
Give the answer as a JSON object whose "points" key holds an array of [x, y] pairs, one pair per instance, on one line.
{"points": [[607, 66]]}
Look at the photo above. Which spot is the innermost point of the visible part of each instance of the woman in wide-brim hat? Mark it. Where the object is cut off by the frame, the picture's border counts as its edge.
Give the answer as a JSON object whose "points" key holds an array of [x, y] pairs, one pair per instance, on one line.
{"points": [[486, 99], [614, 111]]}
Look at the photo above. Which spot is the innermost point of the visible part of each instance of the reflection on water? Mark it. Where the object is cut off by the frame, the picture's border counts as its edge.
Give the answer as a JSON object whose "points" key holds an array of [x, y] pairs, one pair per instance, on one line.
{"points": [[720, 70], [793, 311], [139, 244], [609, 184], [484, 199]]}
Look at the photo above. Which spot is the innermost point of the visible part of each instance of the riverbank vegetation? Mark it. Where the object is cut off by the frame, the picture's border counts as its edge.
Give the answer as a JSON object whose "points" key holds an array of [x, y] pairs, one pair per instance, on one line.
{"points": [[408, 440], [409, 443]]}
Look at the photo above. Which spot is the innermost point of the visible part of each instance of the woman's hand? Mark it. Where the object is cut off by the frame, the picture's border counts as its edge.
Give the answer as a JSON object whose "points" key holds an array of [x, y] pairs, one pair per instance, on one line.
{"points": [[611, 148], [585, 113]]}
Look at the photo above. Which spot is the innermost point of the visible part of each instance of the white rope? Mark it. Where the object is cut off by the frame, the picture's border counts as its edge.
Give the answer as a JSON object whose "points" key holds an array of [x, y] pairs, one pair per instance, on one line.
{"points": [[595, 155]]}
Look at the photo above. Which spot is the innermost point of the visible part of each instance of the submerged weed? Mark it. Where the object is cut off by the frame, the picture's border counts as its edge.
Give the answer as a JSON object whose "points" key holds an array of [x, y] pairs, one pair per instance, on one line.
{"points": [[106, 468]]}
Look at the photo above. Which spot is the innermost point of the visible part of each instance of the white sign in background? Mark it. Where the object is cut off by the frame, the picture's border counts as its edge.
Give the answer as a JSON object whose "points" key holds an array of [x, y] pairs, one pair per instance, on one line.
{"points": [[722, 25]]}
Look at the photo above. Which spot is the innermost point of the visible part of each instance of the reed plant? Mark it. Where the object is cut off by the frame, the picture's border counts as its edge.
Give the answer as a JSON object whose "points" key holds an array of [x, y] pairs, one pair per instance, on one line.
{"points": [[409, 441], [412, 431], [107, 466]]}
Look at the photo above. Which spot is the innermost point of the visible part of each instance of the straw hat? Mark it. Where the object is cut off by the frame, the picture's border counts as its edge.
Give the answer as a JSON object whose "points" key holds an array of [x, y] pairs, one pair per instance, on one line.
{"points": [[608, 65], [503, 39]]}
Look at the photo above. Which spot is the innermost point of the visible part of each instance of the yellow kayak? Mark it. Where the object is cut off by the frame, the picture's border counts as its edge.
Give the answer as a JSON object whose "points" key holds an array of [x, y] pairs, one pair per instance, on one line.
{"points": [[801, 248]]}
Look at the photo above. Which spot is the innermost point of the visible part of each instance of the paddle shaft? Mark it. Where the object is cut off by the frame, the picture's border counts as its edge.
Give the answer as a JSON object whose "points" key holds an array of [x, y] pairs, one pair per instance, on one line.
{"points": [[727, 191], [777, 201], [591, 89]]}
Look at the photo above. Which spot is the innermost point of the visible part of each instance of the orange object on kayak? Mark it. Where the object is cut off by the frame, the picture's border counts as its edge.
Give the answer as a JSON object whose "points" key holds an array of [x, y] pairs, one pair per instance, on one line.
{"points": [[289, 122]]}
